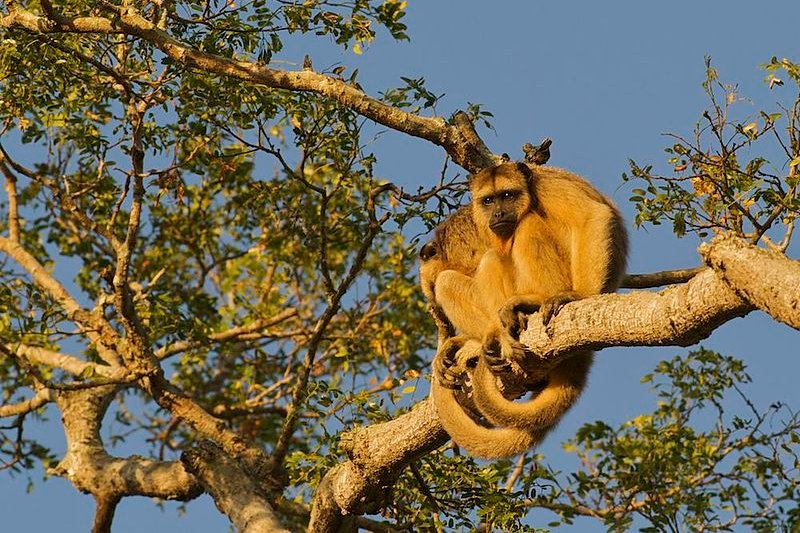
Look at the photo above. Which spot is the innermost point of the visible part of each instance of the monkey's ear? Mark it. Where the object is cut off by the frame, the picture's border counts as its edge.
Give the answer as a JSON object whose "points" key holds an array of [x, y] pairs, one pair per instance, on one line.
{"points": [[505, 157], [525, 170], [428, 250]]}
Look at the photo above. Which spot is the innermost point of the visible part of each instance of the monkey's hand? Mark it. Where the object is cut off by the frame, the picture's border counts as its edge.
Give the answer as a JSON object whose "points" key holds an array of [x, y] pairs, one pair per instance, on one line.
{"points": [[448, 367], [551, 306], [514, 313], [502, 351]]}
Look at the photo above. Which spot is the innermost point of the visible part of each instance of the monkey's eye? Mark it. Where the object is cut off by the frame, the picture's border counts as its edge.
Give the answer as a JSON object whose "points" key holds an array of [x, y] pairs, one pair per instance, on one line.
{"points": [[487, 200], [508, 195]]}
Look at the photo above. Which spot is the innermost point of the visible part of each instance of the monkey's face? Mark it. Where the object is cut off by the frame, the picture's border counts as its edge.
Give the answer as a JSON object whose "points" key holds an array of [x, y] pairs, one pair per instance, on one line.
{"points": [[502, 210], [501, 197]]}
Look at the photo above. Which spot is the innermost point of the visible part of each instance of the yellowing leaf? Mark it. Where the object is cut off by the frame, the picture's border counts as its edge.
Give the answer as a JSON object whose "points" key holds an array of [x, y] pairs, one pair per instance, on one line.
{"points": [[357, 49]]}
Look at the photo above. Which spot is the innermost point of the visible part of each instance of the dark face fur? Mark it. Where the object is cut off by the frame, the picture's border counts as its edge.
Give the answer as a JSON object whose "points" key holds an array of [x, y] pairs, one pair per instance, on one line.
{"points": [[502, 196]]}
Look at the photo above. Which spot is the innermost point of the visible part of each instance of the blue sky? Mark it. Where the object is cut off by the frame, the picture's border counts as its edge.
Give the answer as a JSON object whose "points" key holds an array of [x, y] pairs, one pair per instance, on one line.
{"points": [[604, 80]]}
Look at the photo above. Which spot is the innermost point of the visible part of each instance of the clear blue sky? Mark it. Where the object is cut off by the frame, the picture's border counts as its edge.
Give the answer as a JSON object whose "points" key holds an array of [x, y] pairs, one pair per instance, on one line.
{"points": [[604, 80]]}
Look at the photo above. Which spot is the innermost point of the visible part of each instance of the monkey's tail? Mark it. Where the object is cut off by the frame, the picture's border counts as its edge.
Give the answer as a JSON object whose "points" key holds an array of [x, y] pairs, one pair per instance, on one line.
{"points": [[480, 441], [565, 383]]}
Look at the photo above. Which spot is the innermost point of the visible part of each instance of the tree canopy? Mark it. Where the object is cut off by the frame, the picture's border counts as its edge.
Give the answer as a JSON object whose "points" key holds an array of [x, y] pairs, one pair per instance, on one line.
{"points": [[195, 248]]}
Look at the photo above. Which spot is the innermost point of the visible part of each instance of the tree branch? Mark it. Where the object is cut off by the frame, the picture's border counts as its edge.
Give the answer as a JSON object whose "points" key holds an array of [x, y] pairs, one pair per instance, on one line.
{"points": [[227, 335], [169, 397], [95, 327], [91, 469], [42, 397], [680, 315], [378, 454], [767, 279], [659, 279], [236, 495], [458, 139], [13, 208], [68, 363]]}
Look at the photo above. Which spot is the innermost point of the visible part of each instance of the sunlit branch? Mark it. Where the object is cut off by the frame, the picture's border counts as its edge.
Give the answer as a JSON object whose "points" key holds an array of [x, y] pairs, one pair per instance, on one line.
{"points": [[659, 279], [13, 209], [68, 363], [234, 492], [256, 327]]}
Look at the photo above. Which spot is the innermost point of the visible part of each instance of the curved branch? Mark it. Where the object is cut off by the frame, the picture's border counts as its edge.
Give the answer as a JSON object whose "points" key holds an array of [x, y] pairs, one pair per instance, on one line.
{"points": [[767, 279], [69, 363], [458, 139], [678, 315], [95, 327], [41, 398]]}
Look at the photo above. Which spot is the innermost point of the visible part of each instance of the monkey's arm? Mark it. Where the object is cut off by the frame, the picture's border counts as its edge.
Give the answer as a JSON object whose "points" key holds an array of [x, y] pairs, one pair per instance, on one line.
{"points": [[564, 385], [598, 251]]}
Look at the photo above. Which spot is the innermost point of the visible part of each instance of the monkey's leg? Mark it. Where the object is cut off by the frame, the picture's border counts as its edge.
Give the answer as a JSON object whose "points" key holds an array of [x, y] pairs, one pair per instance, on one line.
{"points": [[461, 299]]}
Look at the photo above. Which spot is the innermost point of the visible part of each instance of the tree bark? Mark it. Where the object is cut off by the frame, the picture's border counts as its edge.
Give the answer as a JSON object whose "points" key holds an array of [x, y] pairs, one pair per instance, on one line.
{"points": [[767, 279], [236, 495]]}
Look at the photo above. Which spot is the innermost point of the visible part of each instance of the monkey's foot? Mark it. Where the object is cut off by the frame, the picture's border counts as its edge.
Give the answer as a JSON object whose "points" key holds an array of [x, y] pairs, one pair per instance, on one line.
{"points": [[514, 314], [448, 370]]}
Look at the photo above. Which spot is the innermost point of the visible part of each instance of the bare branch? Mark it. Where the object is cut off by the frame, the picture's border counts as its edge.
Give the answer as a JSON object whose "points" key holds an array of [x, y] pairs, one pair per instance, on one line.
{"points": [[13, 209], [235, 494], [87, 465], [104, 514], [659, 279], [68, 363], [767, 279]]}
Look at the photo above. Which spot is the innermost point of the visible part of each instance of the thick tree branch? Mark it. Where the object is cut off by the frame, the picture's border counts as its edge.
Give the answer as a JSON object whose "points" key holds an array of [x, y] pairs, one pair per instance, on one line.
{"points": [[91, 469], [378, 454], [236, 495], [458, 139], [680, 315], [767, 279]]}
